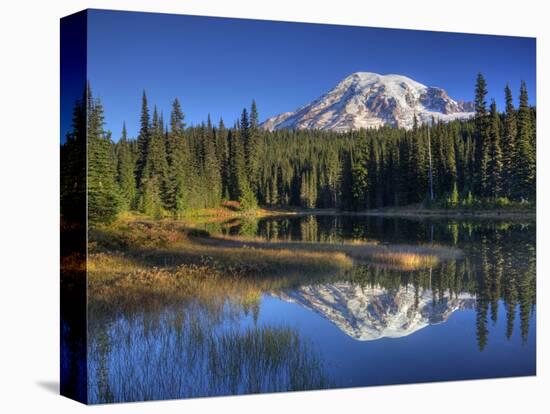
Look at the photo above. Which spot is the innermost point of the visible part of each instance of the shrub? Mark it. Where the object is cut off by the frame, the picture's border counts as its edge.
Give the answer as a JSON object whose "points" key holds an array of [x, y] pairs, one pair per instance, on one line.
{"points": [[502, 202]]}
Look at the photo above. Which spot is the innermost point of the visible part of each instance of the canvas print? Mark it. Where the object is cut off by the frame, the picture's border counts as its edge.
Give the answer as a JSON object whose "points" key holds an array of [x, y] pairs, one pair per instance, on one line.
{"points": [[255, 206]]}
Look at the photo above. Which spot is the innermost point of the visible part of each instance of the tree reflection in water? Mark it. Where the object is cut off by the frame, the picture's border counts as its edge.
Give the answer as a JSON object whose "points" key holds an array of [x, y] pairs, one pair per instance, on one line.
{"points": [[197, 347]]}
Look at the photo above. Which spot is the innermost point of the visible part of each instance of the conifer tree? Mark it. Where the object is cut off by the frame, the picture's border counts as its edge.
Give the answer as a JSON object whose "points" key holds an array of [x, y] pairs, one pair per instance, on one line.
{"points": [[481, 135], [494, 165], [509, 144], [419, 165], [150, 199], [222, 154], [143, 138], [179, 185], [346, 182], [73, 162], [308, 187], [452, 145], [244, 131], [454, 196], [405, 169], [125, 172], [212, 176], [525, 154], [155, 173], [103, 200], [360, 174], [237, 168], [253, 148], [239, 188], [244, 134]]}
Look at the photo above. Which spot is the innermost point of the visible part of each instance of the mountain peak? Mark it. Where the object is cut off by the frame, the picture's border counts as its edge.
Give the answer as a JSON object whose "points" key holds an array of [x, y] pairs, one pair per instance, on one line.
{"points": [[377, 77], [371, 100]]}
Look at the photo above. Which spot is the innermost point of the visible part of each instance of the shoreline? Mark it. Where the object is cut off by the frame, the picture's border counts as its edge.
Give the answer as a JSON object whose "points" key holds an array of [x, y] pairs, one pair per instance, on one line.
{"points": [[410, 212], [222, 214]]}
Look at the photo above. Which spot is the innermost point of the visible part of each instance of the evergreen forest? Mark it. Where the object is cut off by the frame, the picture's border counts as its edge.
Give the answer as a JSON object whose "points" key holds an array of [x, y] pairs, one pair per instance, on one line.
{"points": [[170, 169]]}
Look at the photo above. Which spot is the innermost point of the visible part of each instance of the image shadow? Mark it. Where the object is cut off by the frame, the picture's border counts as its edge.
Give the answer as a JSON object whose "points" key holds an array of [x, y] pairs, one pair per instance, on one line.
{"points": [[51, 386]]}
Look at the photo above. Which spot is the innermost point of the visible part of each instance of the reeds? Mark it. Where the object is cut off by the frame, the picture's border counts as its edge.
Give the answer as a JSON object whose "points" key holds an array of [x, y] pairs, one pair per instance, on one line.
{"points": [[178, 355], [411, 257]]}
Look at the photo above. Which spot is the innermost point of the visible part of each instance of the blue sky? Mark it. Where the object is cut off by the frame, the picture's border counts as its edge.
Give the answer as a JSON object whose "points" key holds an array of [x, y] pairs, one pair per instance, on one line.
{"points": [[218, 66]]}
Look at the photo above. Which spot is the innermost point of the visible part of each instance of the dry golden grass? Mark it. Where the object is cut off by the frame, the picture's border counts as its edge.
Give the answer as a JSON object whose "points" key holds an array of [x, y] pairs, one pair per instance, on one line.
{"points": [[135, 264], [409, 257], [405, 260], [120, 283], [171, 243], [129, 285], [140, 262]]}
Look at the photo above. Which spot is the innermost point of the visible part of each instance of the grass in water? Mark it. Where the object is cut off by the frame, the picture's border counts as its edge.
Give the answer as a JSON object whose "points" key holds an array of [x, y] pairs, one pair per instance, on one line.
{"points": [[189, 355]]}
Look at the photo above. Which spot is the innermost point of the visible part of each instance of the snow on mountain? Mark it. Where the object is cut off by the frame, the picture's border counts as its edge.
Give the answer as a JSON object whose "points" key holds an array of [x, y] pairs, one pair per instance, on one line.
{"points": [[370, 313], [370, 100]]}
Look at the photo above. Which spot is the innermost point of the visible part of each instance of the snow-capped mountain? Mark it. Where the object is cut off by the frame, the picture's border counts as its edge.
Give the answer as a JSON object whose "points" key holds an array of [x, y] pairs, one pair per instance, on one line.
{"points": [[370, 100], [369, 313]]}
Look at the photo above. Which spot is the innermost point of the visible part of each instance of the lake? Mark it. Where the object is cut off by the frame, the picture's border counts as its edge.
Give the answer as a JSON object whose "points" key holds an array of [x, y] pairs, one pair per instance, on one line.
{"points": [[470, 316]]}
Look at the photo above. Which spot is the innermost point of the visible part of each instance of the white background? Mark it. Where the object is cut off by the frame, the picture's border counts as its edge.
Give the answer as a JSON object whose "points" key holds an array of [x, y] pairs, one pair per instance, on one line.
{"points": [[29, 207]]}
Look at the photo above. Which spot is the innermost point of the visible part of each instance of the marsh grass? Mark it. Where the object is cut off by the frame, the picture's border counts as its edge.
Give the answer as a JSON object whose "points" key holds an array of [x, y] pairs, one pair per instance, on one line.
{"points": [[170, 244], [141, 264], [189, 354], [410, 257], [136, 263], [122, 285]]}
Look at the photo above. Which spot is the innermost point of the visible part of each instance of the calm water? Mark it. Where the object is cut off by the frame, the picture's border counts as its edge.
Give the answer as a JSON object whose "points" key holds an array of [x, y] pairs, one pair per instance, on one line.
{"points": [[466, 318]]}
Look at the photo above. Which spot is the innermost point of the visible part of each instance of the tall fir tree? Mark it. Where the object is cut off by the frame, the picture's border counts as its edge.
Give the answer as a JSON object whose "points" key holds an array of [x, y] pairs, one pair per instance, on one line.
{"points": [[212, 176], [155, 194], [237, 166], [143, 138], [253, 148], [481, 135], [509, 144], [246, 195], [179, 174], [125, 172], [525, 153], [494, 166], [73, 162], [449, 152], [360, 176], [418, 164], [103, 198], [222, 153]]}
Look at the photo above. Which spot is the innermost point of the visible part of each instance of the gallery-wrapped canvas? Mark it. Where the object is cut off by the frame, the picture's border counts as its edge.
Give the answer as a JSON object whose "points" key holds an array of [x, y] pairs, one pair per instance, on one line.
{"points": [[255, 206]]}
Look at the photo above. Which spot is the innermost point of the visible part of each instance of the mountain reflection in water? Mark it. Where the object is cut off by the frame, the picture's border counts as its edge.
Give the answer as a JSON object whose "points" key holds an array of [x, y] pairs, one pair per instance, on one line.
{"points": [[371, 324], [369, 313]]}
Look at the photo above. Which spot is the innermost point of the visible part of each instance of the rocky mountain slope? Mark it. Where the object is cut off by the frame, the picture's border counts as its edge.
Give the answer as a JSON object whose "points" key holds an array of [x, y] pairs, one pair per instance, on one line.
{"points": [[370, 100]]}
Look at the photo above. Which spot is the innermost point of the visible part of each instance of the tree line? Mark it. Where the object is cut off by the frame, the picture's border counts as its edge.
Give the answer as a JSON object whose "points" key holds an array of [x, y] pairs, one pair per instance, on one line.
{"points": [[170, 169]]}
